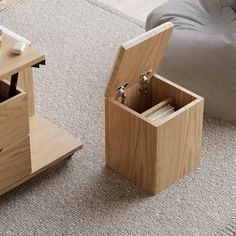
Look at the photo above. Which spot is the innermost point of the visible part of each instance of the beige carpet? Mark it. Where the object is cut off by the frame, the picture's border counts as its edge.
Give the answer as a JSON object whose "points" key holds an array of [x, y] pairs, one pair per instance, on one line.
{"points": [[81, 196], [4, 4]]}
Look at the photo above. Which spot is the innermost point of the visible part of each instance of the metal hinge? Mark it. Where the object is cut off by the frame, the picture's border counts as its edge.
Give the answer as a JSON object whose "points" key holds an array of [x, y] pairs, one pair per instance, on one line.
{"points": [[144, 82], [121, 90]]}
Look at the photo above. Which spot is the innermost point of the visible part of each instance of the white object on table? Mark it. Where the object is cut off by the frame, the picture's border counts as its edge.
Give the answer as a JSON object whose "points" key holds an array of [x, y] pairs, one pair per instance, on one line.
{"points": [[18, 48]]}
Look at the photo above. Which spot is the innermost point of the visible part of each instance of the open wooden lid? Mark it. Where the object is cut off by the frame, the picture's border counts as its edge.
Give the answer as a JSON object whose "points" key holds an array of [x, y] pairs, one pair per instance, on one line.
{"points": [[138, 56]]}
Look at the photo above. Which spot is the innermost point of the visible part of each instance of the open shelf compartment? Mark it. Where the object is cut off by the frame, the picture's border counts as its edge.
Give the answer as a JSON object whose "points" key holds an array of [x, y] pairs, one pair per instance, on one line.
{"points": [[49, 145]]}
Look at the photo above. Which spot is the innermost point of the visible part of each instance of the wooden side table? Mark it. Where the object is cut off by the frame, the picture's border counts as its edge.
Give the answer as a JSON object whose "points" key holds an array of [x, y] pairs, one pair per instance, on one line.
{"points": [[29, 144]]}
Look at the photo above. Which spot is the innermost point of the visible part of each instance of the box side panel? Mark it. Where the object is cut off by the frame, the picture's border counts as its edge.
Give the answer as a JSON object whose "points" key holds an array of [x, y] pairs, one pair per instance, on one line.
{"points": [[130, 146], [179, 146], [15, 162]]}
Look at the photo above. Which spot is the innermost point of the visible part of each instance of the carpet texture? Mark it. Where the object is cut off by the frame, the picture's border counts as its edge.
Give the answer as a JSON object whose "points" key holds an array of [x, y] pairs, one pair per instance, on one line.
{"points": [[80, 196], [116, 12], [6, 4]]}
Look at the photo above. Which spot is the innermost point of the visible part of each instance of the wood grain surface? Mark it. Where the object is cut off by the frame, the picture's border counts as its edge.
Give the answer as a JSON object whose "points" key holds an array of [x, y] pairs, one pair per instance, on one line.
{"points": [[138, 56], [151, 155]]}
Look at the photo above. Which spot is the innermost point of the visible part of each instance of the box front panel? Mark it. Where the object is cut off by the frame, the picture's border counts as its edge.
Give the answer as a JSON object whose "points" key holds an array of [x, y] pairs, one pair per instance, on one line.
{"points": [[14, 120], [15, 162], [130, 146]]}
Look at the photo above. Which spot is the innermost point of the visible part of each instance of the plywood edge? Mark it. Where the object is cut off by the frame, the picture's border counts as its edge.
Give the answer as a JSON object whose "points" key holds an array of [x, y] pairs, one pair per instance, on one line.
{"points": [[164, 120], [159, 29], [178, 86]]}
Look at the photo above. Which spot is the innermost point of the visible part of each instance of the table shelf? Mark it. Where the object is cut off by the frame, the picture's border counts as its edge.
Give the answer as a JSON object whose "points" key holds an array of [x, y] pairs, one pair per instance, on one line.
{"points": [[49, 145]]}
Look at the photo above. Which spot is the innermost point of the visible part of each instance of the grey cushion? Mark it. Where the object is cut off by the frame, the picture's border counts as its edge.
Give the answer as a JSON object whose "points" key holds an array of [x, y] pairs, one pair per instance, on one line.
{"points": [[201, 55]]}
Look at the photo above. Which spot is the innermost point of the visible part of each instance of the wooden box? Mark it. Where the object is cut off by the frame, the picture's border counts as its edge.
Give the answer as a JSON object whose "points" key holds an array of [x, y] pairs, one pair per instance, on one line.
{"points": [[151, 155], [15, 162]]}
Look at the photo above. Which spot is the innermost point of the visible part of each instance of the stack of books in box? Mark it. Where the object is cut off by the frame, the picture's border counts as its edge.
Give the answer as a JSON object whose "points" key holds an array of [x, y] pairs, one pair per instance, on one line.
{"points": [[160, 111]]}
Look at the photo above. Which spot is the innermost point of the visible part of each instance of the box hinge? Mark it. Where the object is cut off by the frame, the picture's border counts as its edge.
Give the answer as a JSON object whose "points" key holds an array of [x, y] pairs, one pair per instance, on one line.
{"points": [[121, 90], [144, 82]]}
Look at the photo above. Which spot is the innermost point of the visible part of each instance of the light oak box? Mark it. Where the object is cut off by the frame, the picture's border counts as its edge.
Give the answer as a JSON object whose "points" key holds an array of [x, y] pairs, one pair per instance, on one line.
{"points": [[14, 136], [29, 144], [153, 156]]}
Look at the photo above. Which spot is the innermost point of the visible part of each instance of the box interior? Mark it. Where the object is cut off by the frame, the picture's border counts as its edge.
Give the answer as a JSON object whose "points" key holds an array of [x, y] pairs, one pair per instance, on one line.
{"points": [[4, 91], [158, 91]]}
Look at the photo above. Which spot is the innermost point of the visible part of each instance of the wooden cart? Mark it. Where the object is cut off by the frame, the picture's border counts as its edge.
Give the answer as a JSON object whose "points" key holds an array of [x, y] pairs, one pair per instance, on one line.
{"points": [[29, 144]]}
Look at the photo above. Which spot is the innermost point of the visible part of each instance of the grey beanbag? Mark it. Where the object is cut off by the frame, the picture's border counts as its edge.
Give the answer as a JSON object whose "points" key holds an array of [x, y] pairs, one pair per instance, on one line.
{"points": [[201, 55]]}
